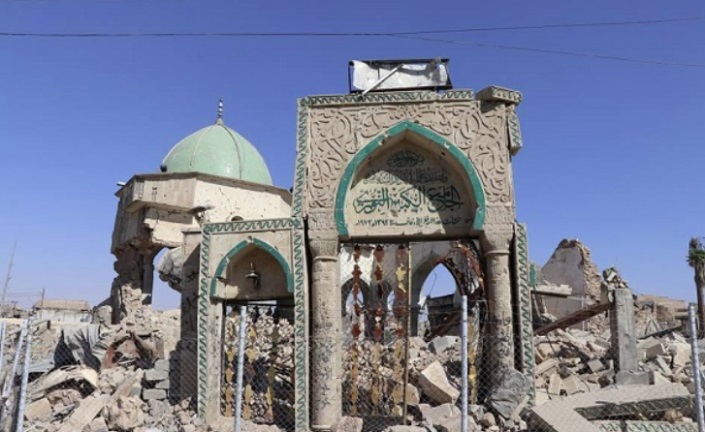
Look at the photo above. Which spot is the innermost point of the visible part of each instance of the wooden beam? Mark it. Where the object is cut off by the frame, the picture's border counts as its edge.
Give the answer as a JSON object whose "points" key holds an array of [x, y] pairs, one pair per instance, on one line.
{"points": [[574, 318]]}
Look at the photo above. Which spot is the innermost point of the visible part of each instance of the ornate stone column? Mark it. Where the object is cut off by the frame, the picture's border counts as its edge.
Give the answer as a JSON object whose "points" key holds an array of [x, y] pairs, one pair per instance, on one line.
{"points": [[496, 243], [326, 336]]}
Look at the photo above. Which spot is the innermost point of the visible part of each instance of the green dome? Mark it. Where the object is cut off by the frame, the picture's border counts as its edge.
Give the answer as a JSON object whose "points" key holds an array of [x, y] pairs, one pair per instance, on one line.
{"points": [[218, 150]]}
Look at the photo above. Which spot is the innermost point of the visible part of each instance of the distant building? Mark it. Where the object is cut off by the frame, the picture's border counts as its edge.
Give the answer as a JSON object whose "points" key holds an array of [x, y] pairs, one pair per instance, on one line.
{"points": [[69, 311]]}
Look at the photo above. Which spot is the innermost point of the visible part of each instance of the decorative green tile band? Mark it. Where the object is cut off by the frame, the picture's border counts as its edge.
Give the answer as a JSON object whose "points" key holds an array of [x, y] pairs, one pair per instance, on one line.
{"points": [[388, 97], [377, 142], [203, 325], [300, 330], [524, 297], [301, 156]]}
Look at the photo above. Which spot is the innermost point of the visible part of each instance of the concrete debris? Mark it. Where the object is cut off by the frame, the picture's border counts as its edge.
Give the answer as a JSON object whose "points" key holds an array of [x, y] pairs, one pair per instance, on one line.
{"points": [[435, 385], [38, 411], [509, 393], [349, 424]]}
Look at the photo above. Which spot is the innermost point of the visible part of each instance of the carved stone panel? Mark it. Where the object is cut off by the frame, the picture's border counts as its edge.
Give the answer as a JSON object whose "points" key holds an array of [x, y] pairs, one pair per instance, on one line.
{"points": [[337, 130], [408, 191]]}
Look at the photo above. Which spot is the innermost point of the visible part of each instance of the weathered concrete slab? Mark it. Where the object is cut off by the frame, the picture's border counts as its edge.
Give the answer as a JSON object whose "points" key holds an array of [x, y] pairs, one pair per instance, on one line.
{"points": [[546, 365], [629, 400], [573, 413], [645, 426], [552, 290], [559, 417]]}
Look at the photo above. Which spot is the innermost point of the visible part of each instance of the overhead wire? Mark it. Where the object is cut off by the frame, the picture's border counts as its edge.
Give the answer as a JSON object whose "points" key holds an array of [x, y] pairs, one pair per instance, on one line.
{"points": [[349, 34], [419, 35], [556, 52]]}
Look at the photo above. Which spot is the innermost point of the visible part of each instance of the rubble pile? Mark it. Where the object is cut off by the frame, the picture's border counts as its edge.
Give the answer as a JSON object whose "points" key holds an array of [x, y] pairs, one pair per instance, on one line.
{"points": [[96, 378], [433, 390]]}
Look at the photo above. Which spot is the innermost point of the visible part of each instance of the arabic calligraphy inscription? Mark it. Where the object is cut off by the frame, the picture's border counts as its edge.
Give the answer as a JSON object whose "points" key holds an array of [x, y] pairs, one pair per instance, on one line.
{"points": [[408, 188]]}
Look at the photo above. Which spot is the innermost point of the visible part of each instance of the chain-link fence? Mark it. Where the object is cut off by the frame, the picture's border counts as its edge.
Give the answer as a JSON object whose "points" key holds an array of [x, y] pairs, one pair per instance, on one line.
{"points": [[441, 365], [258, 360]]}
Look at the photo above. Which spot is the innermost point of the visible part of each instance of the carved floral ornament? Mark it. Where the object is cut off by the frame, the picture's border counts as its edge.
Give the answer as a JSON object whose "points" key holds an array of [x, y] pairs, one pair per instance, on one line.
{"points": [[338, 133]]}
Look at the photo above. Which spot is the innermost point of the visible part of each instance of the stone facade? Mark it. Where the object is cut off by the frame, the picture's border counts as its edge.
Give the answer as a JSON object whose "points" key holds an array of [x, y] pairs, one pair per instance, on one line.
{"points": [[424, 168]]}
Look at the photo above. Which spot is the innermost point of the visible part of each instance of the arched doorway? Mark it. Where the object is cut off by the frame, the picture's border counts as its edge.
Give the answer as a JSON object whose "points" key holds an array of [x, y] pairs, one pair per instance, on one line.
{"points": [[255, 275]]}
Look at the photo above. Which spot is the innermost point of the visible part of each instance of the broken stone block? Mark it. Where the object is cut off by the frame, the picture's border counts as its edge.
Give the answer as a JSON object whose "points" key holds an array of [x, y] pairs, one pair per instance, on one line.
{"points": [[435, 415], [161, 364], [441, 344], [632, 378], [348, 424], [504, 398], [596, 366], [681, 354], [656, 378], [571, 385], [158, 394], [555, 383], [124, 414], [546, 366], [662, 366], [488, 420], [545, 350], [166, 384], [157, 408], [649, 349], [476, 411], [412, 395], [187, 428], [154, 375], [603, 343], [38, 411], [434, 384]]}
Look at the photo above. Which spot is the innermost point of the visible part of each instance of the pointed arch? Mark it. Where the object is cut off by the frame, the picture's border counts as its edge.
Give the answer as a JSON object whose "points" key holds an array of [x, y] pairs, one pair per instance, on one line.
{"points": [[407, 126], [266, 247]]}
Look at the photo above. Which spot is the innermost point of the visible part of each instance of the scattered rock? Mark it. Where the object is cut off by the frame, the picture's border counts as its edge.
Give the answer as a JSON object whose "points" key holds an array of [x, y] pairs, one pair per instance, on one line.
{"points": [[435, 385], [349, 424], [38, 411]]}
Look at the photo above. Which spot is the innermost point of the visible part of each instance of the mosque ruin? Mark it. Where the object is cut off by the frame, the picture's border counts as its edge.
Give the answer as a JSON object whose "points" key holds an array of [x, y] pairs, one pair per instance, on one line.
{"points": [[389, 184]]}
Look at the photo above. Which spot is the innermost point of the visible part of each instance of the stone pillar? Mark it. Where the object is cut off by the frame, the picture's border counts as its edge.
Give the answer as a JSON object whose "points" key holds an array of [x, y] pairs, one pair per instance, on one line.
{"points": [[499, 292], [148, 276], [623, 333], [214, 360], [126, 291], [187, 345], [326, 336]]}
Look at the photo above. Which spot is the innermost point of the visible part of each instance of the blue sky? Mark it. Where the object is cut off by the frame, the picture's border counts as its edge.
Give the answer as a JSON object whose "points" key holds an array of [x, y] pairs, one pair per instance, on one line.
{"points": [[613, 150]]}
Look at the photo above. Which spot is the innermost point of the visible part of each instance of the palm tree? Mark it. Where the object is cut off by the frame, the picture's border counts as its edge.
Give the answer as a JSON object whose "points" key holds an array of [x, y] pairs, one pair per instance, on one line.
{"points": [[696, 259]]}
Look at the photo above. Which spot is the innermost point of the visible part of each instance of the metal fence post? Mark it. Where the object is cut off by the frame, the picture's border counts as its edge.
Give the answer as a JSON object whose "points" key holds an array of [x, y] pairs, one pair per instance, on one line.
{"points": [[10, 378], [464, 363], [2, 346], [240, 367], [25, 377], [696, 369]]}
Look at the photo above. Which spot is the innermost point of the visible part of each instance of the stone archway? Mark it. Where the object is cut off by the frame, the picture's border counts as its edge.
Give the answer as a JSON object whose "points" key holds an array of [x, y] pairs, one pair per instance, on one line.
{"points": [[409, 181]]}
